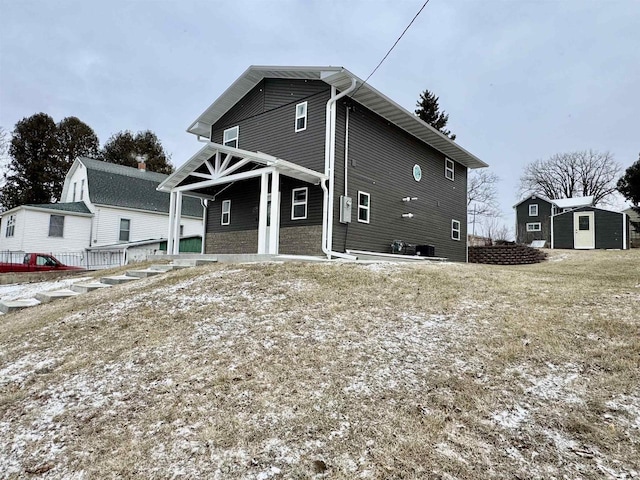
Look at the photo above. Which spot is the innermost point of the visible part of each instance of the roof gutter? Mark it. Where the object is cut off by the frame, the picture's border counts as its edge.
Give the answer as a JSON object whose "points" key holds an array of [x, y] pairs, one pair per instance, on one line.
{"points": [[329, 166]]}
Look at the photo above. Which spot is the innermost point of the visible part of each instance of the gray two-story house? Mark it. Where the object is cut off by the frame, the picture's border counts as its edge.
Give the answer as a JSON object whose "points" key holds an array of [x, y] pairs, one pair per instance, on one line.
{"points": [[313, 161]]}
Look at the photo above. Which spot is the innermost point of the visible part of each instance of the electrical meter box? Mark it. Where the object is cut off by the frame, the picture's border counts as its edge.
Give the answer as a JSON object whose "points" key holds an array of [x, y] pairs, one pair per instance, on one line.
{"points": [[345, 209]]}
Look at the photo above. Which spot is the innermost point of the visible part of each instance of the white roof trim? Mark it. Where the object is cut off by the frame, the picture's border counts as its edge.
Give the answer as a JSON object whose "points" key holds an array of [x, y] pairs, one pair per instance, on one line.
{"points": [[571, 202], [210, 149], [341, 79]]}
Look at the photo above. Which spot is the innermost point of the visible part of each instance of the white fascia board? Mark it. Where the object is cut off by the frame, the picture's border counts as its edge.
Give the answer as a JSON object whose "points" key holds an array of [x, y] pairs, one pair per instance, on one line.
{"points": [[56, 212]]}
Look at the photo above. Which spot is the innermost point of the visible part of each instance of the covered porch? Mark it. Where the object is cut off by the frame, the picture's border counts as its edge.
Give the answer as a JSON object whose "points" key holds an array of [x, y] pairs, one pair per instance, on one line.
{"points": [[215, 168]]}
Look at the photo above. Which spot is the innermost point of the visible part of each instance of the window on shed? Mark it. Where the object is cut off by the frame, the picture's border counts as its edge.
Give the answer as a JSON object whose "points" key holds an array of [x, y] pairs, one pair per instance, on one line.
{"points": [[11, 226], [301, 116], [449, 169], [299, 198], [225, 219], [364, 206], [230, 137], [455, 230], [534, 227], [56, 226], [533, 210], [583, 222], [125, 229]]}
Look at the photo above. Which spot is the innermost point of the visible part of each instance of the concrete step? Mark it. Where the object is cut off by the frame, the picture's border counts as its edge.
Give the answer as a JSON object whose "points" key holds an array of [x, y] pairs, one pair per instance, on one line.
{"points": [[167, 267], [143, 273], [46, 297], [117, 279], [8, 306], [84, 287], [193, 262]]}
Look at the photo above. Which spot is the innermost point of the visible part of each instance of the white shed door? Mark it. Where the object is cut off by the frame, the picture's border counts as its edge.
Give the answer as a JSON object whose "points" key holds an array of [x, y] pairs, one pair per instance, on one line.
{"points": [[584, 230]]}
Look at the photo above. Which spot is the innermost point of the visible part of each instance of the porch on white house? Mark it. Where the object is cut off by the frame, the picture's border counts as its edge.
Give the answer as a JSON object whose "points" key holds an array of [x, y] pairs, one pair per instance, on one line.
{"points": [[215, 167]]}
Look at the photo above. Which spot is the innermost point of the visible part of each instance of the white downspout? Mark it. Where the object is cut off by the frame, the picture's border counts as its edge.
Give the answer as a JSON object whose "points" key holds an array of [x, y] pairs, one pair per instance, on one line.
{"points": [[624, 231], [329, 164], [205, 211]]}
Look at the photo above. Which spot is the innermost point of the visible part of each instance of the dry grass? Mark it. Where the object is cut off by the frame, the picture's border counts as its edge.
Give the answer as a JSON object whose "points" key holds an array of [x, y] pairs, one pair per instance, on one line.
{"points": [[337, 371]]}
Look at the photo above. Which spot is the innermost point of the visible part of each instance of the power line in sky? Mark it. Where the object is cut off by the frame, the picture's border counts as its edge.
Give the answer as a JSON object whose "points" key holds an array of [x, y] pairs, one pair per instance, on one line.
{"points": [[392, 47]]}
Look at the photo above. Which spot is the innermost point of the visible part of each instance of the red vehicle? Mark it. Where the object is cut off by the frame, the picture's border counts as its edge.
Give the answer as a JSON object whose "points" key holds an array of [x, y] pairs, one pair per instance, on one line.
{"points": [[36, 262]]}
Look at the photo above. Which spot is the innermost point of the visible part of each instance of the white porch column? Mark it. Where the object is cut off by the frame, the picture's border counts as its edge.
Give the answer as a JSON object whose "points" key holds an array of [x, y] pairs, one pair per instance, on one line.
{"points": [[262, 219], [176, 225], [172, 213], [274, 228]]}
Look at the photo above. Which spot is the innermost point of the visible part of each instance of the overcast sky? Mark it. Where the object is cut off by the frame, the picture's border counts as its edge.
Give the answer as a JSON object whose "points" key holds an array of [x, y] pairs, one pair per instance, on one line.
{"points": [[521, 80]]}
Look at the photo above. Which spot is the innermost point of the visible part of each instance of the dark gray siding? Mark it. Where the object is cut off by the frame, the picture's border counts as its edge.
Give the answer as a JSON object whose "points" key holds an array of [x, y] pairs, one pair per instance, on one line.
{"points": [[245, 198], [381, 159], [563, 230], [609, 230], [266, 119], [544, 218], [314, 203]]}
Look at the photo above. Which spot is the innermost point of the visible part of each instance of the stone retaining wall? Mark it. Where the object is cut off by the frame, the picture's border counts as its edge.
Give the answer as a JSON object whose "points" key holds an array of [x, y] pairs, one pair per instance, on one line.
{"points": [[506, 255]]}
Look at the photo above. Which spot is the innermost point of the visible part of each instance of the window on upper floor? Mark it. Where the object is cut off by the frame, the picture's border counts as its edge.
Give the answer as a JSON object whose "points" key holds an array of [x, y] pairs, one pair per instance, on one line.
{"points": [[449, 169], [455, 230], [299, 203], [56, 226], [364, 207], [125, 230], [81, 189], [225, 219], [75, 184], [301, 116], [534, 227], [533, 210], [11, 226], [230, 137]]}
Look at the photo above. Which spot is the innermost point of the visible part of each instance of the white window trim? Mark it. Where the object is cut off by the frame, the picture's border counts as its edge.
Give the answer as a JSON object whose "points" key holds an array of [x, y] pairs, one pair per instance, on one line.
{"points": [[236, 138], [120, 229], [294, 203], [537, 209], [11, 226], [61, 233], [301, 116], [81, 189], [226, 210], [449, 171], [363, 207], [455, 230], [531, 227]]}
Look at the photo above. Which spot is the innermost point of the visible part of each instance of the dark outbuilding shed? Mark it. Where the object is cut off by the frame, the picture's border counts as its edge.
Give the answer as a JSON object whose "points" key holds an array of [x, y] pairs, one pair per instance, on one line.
{"points": [[589, 228]]}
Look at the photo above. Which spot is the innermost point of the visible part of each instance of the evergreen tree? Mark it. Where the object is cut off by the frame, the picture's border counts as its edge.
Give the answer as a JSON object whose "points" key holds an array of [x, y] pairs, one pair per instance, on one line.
{"points": [[124, 148], [428, 110], [34, 163], [629, 187], [75, 139]]}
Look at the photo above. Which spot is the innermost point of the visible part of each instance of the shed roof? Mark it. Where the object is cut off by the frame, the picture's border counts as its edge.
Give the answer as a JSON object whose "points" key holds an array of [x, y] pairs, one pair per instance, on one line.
{"points": [[340, 78], [120, 186], [573, 202]]}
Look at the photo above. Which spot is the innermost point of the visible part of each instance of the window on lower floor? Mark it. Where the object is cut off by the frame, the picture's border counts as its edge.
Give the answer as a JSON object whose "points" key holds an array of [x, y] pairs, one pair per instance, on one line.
{"points": [[230, 137], [125, 229], [299, 203], [534, 227], [455, 229], [56, 226], [364, 207], [11, 226], [225, 219]]}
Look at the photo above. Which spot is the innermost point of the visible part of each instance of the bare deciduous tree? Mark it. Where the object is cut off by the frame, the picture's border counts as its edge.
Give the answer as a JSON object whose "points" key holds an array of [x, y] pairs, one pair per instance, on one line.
{"points": [[565, 175], [482, 196], [494, 229]]}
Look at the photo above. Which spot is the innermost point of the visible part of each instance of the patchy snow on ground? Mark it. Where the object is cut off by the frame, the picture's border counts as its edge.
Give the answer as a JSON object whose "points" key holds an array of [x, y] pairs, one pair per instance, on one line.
{"points": [[18, 291]]}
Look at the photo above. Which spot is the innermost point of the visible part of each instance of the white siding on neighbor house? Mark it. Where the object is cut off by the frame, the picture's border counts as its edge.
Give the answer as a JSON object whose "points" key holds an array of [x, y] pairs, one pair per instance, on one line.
{"points": [[32, 233], [79, 177], [143, 226]]}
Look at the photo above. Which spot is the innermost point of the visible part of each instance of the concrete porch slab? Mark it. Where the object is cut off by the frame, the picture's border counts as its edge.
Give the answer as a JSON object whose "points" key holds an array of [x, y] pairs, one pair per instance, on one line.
{"points": [[88, 286], [117, 279], [143, 273], [8, 306]]}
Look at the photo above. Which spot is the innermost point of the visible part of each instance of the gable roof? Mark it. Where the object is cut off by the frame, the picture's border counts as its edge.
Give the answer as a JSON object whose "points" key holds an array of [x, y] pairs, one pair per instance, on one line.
{"points": [[572, 202], [340, 78], [127, 187]]}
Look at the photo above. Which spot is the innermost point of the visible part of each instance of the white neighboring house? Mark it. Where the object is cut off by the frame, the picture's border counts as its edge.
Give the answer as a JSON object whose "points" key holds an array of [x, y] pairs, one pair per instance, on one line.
{"points": [[102, 204]]}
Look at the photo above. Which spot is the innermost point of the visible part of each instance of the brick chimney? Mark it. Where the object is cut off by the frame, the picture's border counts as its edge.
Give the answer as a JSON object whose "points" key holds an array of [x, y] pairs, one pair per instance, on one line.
{"points": [[142, 166]]}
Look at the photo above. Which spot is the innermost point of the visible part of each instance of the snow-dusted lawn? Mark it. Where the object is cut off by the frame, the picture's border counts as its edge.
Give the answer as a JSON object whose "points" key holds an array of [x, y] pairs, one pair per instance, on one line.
{"points": [[268, 371], [16, 291]]}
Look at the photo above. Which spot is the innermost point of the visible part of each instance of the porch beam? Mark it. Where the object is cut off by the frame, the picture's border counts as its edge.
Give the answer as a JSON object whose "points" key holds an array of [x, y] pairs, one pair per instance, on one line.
{"points": [[176, 226], [225, 179], [202, 175], [234, 167], [210, 167], [226, 162]]}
